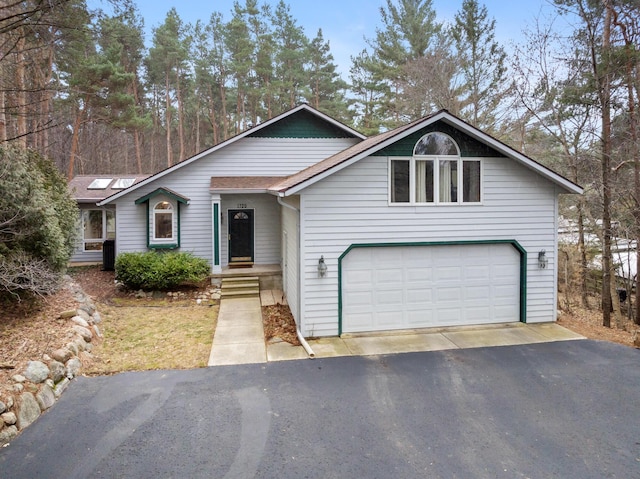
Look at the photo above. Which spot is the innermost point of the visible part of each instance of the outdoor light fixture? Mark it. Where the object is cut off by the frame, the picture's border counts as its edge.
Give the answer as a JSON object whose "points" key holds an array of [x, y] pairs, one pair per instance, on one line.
{"points": [[542, 259], [322, 267]]}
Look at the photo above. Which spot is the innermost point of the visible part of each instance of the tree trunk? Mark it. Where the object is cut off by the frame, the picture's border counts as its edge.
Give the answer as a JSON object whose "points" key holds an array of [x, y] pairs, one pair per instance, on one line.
{"points": [[3, 118], [21, 93], [167, 115], [212, 116], [584, 298], [74, 143], [605, 103], [180, 116]]}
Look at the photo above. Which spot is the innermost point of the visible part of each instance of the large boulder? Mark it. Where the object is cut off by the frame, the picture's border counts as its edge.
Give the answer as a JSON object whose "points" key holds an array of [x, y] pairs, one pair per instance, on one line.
{"points": [[28, 410], [36, 372]]}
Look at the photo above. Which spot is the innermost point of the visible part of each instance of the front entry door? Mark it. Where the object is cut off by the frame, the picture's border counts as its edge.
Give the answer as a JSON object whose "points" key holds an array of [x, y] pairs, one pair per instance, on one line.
{"points": [[240, 236]]}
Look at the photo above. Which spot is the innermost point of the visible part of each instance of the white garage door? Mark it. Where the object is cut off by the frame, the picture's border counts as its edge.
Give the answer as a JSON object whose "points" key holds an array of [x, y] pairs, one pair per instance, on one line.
{"points": [[406, 287]]}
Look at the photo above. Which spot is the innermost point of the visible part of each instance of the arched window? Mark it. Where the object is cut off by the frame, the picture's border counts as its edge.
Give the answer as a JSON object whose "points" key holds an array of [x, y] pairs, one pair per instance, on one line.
{"points": [[435, 174], [163, 221]]}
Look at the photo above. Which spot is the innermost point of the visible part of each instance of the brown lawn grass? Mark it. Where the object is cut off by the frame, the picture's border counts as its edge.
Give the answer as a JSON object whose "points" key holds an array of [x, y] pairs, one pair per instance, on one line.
{"points": [[152, 336]]}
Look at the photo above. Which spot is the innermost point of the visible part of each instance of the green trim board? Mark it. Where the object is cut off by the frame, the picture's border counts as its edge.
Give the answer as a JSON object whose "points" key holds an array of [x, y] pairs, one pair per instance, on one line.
{"points": [[469, 147], [216, 234], [163, 191], [514, 243], [301, 124]]}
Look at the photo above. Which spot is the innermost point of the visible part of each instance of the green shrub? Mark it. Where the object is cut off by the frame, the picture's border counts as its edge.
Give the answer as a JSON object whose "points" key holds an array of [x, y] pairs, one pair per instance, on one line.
{"points": [[159, 271], [38, 220]]}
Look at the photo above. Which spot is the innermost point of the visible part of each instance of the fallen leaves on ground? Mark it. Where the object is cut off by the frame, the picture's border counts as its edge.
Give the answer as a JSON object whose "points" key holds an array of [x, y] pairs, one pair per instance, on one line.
{"points": [[279, 323]]}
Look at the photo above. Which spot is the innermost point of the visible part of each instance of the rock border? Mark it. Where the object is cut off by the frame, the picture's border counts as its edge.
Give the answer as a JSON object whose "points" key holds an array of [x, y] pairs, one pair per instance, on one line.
{"points": [[42, 382]]}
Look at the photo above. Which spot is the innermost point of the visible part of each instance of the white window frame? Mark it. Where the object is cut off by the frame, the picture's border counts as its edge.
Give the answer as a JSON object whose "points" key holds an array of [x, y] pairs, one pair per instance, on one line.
{"points": [[436, 159], [172, 211], [105, 234]]}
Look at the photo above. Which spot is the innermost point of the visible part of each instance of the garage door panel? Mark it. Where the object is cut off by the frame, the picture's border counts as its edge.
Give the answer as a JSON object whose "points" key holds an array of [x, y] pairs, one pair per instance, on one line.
{"points": [[359, 300], [425, 286], [391, 276], [473, 293], [391, 297], [419, 273], [419, 296], [448, 295]]}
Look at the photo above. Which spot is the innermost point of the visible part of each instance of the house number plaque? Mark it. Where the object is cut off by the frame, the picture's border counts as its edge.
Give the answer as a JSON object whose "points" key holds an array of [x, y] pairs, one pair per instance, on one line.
{"points": [[242, 205]]}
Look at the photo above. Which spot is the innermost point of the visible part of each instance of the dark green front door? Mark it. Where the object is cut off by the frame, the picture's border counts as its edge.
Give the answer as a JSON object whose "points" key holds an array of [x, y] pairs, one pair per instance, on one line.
{"points": [[240, 236]]}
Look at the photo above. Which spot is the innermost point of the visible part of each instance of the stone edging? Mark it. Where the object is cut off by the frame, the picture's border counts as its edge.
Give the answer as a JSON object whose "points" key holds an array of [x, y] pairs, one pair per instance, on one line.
{"points": [[42, 382]]}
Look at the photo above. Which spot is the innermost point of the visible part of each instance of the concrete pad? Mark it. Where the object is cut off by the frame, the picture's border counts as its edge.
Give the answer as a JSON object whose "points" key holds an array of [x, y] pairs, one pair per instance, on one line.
{"points": [[493, 337], [227, 354], [554, 332], [329, 347], [239, 317], [244, 333], [406, 343], [284, 351], [271, 297], [240, 304]]}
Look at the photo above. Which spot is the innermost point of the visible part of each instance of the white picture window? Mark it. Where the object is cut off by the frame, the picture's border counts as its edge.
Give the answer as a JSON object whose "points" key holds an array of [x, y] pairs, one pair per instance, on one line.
{"points": [[97, 226]]}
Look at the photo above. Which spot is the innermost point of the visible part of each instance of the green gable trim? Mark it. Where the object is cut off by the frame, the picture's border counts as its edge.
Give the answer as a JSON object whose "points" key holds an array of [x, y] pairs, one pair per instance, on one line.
{"points": [[514, 243], [302, 124], [469, 147], [163, 191]]}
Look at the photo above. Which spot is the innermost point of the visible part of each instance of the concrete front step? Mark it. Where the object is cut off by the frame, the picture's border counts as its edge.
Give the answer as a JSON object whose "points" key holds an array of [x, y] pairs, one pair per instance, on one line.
{"points": [[248, 293], [240, 287]]}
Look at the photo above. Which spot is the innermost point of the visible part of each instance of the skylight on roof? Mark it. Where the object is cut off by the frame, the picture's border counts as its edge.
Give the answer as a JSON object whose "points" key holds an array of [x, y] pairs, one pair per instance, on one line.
{"points": [[99, 184], [123, 183]]}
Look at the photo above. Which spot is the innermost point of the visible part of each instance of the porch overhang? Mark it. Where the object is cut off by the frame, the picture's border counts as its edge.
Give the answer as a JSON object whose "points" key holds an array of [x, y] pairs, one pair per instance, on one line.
{"points": [[243, 184]]}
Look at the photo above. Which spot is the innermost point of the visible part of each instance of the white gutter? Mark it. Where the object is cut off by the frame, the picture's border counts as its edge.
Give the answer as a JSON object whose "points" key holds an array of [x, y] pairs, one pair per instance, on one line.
{"points": [[303, 341]]}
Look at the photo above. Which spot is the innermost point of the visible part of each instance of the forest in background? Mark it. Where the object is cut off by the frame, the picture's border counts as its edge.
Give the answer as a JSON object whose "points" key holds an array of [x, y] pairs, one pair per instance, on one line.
{"points": [[81, 87]]}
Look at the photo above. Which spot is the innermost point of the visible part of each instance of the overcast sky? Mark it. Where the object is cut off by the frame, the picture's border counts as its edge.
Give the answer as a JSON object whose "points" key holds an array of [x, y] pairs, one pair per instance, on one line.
{"points": [[345, 23]]}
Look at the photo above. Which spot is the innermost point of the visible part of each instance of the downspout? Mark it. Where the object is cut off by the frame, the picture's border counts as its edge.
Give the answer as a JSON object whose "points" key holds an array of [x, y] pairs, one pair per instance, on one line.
{"points": [[303, 341]]}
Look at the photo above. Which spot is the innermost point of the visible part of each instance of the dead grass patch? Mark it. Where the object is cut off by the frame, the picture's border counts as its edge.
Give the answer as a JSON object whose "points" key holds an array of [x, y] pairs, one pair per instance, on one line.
{"points": [[146, 337]]}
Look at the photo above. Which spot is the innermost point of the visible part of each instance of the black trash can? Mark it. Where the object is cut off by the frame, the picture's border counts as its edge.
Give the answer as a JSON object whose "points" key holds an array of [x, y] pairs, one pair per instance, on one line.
{"points": [[109, 255]]}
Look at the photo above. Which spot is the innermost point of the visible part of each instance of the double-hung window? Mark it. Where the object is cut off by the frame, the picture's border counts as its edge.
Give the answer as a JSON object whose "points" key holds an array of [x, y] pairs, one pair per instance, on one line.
{"points": [[435, 174], [163, 221]]}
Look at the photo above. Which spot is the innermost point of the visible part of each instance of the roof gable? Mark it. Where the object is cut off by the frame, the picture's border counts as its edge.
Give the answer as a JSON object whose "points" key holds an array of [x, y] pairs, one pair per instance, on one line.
{"points": [[320, 118], [166, 192], [469, 146], [303, 124], [398, 140]]}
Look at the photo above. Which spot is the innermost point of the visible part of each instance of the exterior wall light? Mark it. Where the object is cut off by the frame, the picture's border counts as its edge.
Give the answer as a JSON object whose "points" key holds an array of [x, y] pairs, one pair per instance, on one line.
{"points": [[542, 259], [322, 267]]}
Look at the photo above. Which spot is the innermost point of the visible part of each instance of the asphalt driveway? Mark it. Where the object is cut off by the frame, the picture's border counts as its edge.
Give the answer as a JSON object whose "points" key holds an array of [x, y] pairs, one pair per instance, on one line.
{"points": [[554, 410]]}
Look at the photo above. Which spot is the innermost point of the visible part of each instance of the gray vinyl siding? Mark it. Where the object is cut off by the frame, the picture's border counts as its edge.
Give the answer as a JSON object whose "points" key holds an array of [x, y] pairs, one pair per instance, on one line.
{"points": [[269, 156], [247, 157], [352, 207], [290, 262]]}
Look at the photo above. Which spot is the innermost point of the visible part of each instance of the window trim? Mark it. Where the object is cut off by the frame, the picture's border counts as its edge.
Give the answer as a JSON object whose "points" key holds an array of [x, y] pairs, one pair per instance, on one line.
{"points": [[153, 220], [175, 199]]}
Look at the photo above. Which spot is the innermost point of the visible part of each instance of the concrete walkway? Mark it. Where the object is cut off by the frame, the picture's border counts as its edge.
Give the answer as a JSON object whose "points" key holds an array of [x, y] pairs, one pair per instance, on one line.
{"points": [[239, 337]]}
